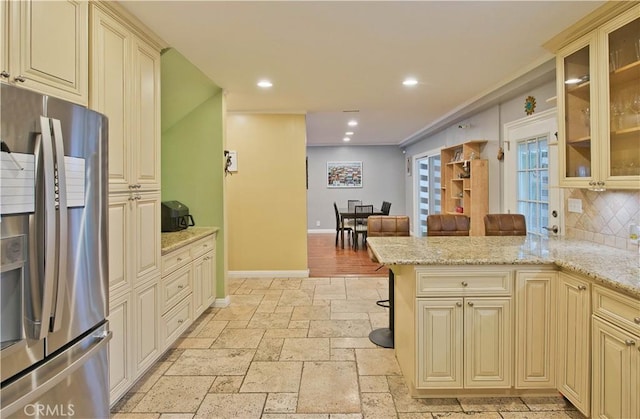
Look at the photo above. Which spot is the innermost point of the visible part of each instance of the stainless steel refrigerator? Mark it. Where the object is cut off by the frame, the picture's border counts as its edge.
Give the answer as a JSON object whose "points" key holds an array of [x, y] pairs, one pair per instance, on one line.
{"points": [[53, 258]]}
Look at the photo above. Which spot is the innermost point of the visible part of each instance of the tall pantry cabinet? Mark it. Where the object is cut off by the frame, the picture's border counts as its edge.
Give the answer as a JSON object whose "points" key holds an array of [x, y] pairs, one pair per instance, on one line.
{"points": [[125, 85]]}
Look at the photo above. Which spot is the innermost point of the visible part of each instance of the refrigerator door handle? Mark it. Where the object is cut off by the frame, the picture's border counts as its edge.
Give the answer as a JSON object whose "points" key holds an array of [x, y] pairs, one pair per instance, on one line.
{"points": [[62, 221], [44, 257]]}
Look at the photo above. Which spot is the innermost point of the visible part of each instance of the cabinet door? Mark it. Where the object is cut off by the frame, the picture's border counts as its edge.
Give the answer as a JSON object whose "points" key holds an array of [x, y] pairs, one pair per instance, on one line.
{"points": [[487, 345], [147, 325], [573, 341], [439, 343], [53, 48], [146, 124], [203, 283], [615, 371], [110, 79], [119, 243], [147, 235], [576, 88], [120, 346], [535, 329], [620, 162]]}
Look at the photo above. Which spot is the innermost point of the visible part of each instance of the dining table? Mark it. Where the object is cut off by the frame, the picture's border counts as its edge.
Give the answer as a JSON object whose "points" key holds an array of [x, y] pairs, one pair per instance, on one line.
{"points": [[346, 213]]}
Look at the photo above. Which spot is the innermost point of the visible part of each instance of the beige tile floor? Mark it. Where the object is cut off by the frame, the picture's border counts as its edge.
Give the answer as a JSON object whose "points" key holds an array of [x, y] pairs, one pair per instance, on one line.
{"points": [[299, 348]]}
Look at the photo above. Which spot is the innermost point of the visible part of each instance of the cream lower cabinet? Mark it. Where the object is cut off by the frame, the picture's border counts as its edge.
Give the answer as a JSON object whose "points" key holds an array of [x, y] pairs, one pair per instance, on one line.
{"points": [[616, 355], [464, 340], [45, 47], [535, 329], [120, 346], [573, 350]]}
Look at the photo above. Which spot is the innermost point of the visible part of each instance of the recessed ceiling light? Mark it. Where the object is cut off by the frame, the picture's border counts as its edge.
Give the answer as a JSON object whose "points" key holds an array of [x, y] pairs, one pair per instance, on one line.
{"points": [[410, 82], [352, 123], [345, 139], [265, 84], [348, 133]]}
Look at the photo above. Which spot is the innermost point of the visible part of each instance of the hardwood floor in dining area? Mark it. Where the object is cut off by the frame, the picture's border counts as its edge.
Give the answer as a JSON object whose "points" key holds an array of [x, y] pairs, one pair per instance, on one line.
{"points": [[327, 260]]}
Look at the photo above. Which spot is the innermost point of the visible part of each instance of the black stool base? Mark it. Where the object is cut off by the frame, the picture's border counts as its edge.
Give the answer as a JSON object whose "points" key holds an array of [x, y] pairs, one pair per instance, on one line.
{"points": [[382, 337]]}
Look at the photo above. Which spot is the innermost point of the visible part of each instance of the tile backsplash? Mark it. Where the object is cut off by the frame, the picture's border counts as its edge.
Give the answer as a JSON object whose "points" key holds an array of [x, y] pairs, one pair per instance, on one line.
{"points": [[605, 218]]}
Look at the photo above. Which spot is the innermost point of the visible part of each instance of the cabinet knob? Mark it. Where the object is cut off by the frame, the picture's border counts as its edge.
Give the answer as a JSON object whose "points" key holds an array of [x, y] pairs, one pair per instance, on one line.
{"points": [[470, 304], [4, 74], [582, 287], [636, 320], [20, 79], [180, 287], [179, 259], [600, 183], [458, 304], [464, 284], [630, 342], [180, 321]]}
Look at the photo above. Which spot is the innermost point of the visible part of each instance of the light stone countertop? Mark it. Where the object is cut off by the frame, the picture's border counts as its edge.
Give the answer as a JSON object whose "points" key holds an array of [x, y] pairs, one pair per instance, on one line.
{"points": [[619, 269], [177, 239]]}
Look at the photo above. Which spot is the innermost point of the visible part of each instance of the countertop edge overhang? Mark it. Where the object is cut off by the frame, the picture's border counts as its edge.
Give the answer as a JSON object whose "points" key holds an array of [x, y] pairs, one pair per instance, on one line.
{"points": [[616, 268], [177, 239]]}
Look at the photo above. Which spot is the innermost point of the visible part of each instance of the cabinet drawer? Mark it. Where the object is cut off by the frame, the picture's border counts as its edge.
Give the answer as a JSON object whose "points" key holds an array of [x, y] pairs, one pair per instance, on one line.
{"points": [[176, 321], [439, 282], [175, 287], [203, 246], [175, 260], [619, 309]]}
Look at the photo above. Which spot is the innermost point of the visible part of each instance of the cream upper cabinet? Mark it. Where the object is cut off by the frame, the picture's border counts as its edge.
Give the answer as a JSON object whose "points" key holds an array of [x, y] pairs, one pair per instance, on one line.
{"points": [[573, 341], [125, 85], [45, 47], [599, 106]]}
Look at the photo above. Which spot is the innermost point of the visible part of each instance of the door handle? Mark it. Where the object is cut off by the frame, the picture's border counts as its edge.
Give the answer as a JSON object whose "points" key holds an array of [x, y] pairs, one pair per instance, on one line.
{"points": [[553, 228]]}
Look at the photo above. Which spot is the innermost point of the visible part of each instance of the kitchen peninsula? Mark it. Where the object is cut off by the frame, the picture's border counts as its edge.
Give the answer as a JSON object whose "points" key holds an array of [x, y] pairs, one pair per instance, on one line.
{"points": [[516, 315]]}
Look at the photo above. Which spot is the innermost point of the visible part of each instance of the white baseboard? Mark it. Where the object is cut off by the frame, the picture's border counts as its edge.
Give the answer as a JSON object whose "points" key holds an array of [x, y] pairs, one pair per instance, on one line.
{"points": [[321, 230], [222, 302], [268, 274]]}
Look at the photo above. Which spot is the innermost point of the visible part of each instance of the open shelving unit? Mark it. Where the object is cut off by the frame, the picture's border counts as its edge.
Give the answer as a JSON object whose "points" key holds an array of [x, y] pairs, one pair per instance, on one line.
{"points": [[465, 183]]}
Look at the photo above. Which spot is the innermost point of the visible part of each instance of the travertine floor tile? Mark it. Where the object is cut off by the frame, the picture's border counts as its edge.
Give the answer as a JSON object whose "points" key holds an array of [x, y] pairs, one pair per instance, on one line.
{"points": [[296, 298], [235, 312], [149, 379], [339, 328], [329, 387], [281, 403], [311, 313], [338, 354], [467, 415], [378, 406], [285, 284], [175, 394], [226, 384], [212, 362], [355, 306], [176, 416], [373, 384], [535, 415], [406, 404], [305, 349], [212, 329], [135, 416], [272, 377], [352, 343], [377, 362], [269, 320], [193, 343], [128, 402], [269, 349], [492, 404], [238, 338], [547, 403], [285, 333], [299, 324], [231, 406]]}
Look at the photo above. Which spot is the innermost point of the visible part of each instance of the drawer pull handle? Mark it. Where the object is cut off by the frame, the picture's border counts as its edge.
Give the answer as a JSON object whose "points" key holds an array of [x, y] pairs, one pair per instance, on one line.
{"points": [[630, 342], [180, 287], [470, 304], [582, 287], [636, 320], [458, 304], [464, 284]]}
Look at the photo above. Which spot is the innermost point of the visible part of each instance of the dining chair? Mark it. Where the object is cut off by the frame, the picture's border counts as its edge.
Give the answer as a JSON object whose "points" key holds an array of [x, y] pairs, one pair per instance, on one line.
{"points": [[505, 225], [340, 229], [447, 225], [351, 204], [360, 228], [386, 226], [385, 208]]}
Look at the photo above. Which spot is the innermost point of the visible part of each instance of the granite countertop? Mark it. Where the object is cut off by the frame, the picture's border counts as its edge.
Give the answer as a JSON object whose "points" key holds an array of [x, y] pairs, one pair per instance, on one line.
{"points": [[613, 267], [178, 239]]}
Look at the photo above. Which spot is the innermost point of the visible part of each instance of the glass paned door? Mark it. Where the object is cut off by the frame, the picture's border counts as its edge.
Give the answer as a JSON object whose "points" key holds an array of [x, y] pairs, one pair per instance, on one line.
{"points": [[577, 110], [532, 173], [428, 187], [624, 97]]}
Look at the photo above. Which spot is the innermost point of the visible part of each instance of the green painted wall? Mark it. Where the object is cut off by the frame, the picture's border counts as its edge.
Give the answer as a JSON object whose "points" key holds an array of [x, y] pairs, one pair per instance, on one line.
{"points": [[192, 146]]}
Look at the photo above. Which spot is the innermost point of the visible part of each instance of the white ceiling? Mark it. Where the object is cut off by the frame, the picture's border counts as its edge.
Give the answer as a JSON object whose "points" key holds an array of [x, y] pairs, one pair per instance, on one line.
{"points": [[325, 57]]}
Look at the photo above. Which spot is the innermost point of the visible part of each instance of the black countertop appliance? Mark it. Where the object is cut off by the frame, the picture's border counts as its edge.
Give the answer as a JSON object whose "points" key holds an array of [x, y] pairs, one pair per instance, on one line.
{"points": [[175, 216]]}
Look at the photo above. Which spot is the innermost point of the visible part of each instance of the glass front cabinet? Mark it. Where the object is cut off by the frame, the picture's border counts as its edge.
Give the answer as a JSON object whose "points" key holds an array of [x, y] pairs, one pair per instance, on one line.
{"points": [[598, 78]]}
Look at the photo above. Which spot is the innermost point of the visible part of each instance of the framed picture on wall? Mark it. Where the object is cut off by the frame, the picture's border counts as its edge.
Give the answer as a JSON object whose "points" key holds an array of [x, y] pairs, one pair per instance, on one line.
{"points": [[344, 174]]}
